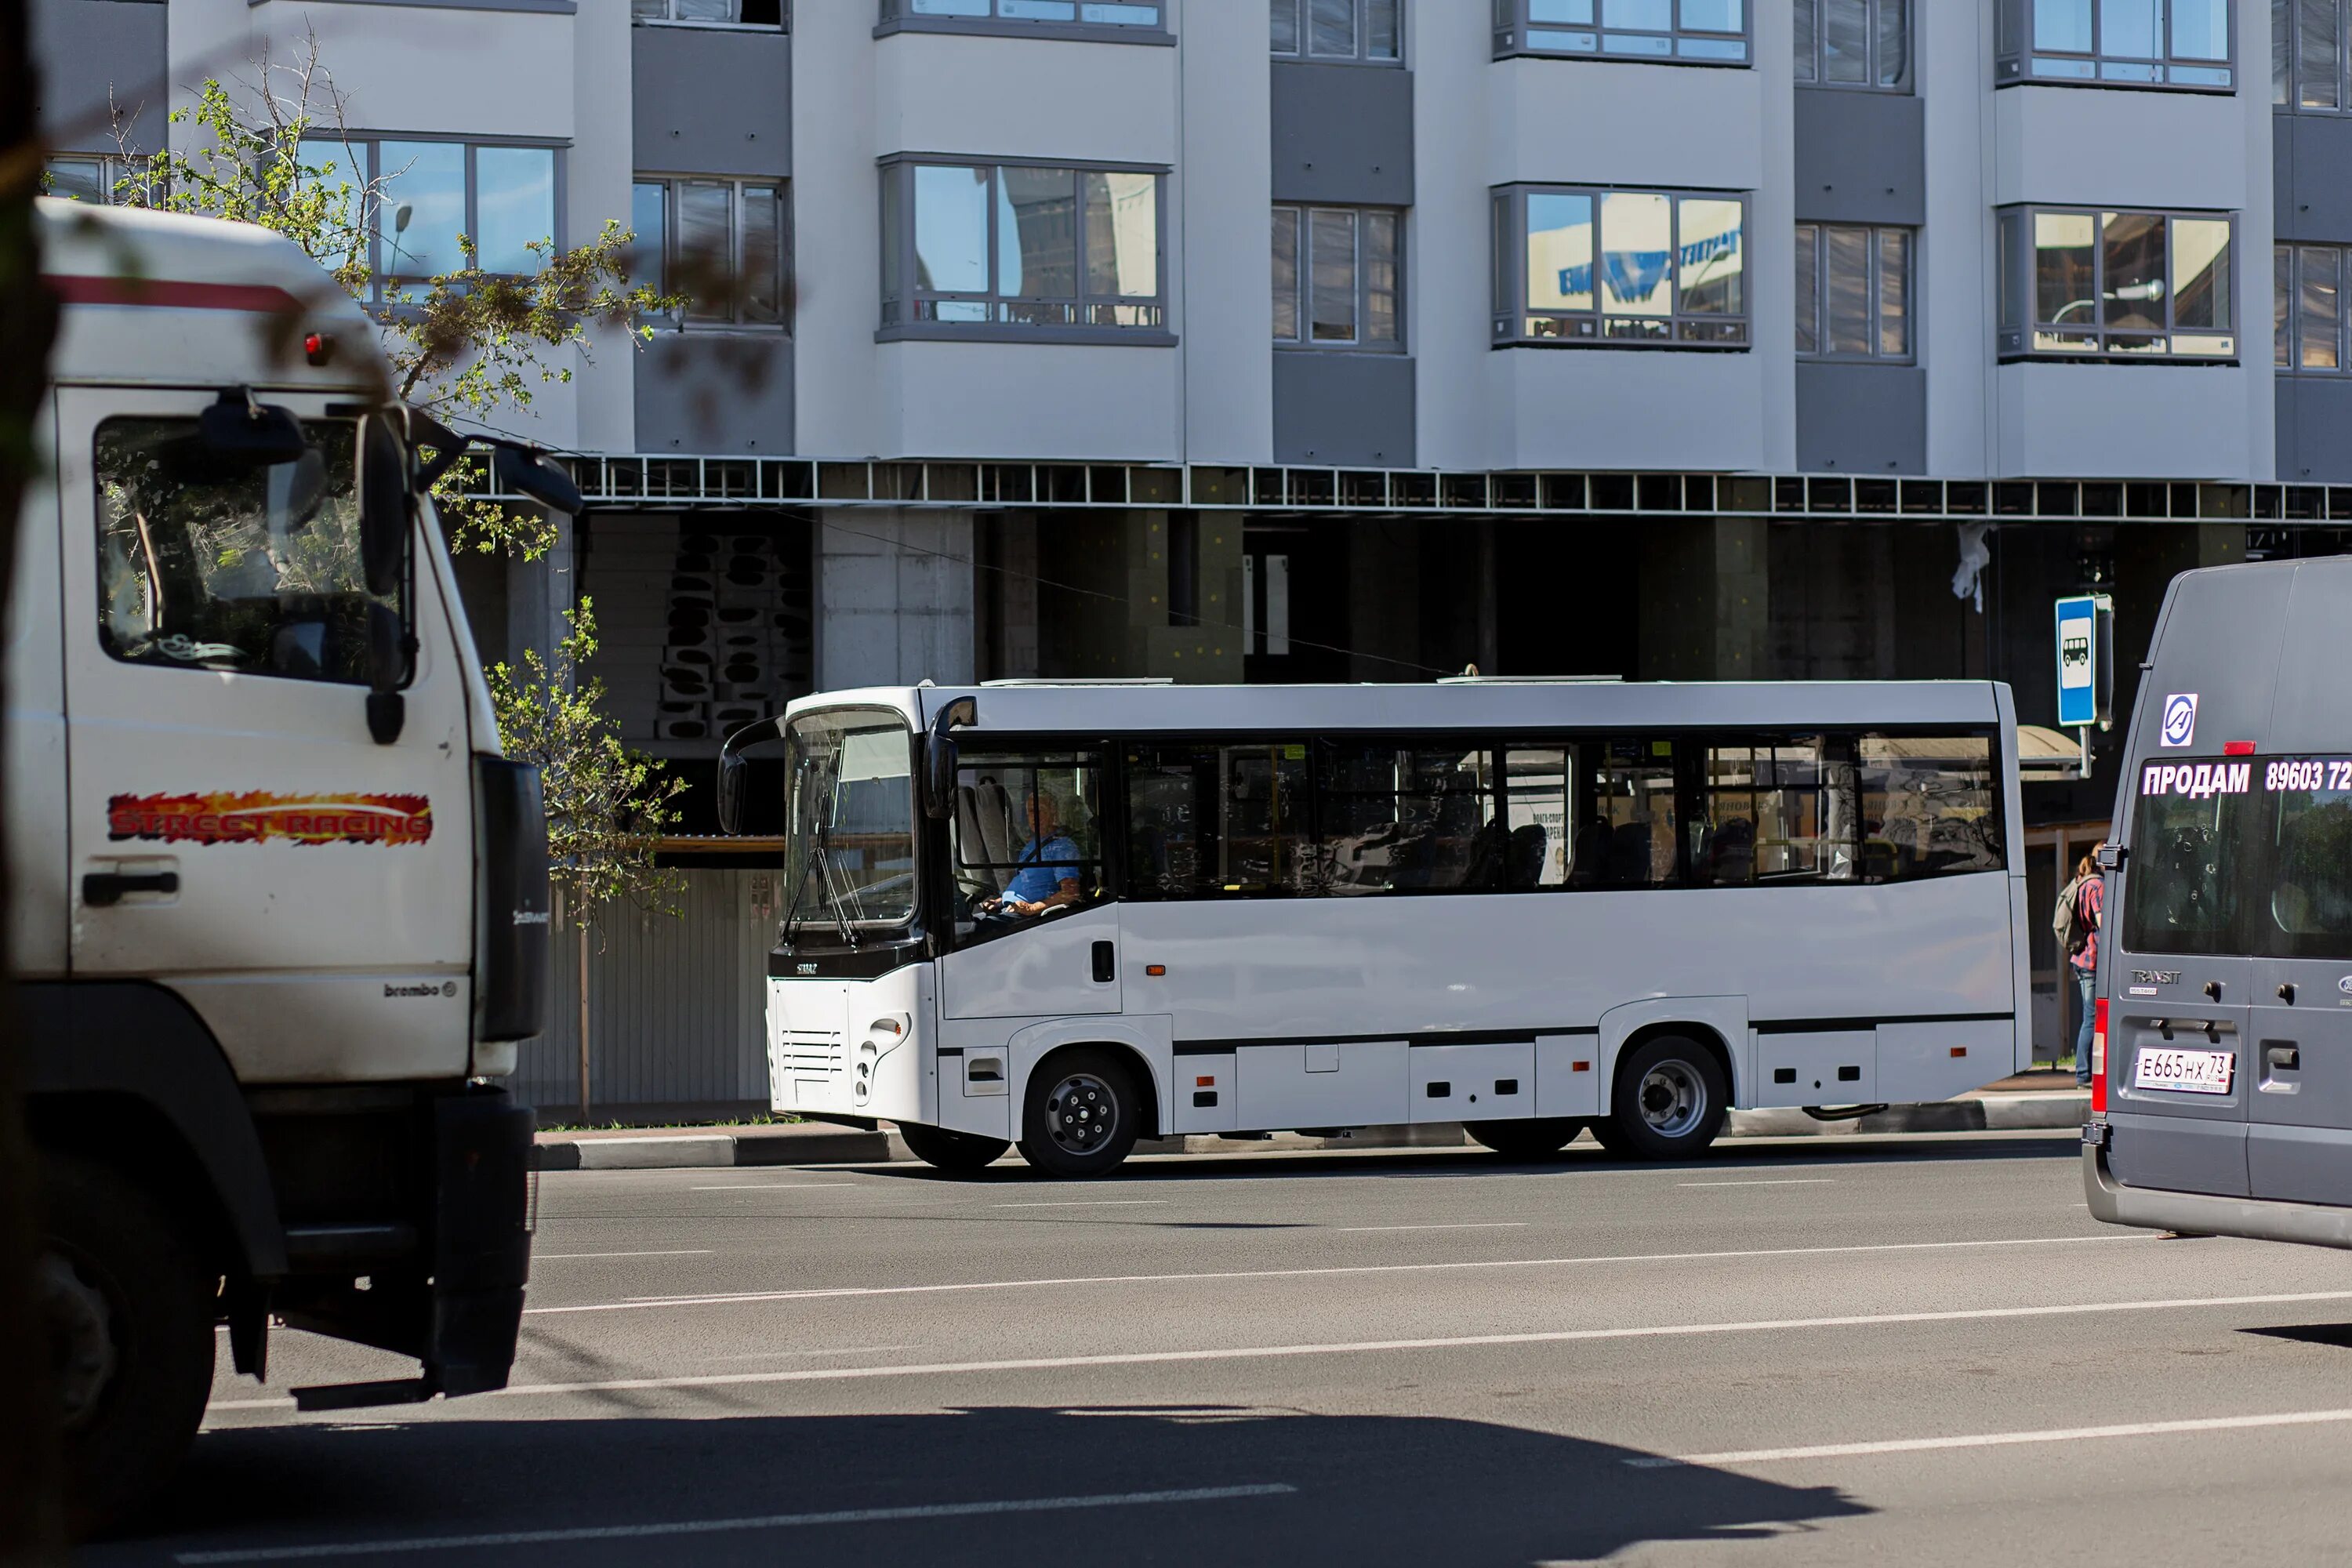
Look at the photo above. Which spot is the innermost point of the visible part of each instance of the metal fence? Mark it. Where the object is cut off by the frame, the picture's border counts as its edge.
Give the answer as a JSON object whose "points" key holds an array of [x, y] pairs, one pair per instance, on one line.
{"points": [[676, 1008]]}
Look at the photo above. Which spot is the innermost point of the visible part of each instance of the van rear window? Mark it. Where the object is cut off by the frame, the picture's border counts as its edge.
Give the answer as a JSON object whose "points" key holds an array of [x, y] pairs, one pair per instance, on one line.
{"points": [[2247, 856]]}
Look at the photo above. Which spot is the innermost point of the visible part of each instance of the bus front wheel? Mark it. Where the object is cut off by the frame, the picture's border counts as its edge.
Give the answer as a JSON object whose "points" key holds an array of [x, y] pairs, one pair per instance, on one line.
{"points": [[1538, 1138], [943, 1149], [1669, 1102], [1081, 1115]]}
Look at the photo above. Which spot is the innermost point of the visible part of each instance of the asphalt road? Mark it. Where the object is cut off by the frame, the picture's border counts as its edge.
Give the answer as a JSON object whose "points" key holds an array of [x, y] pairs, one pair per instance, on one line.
{"points": [[1787, 1353]]}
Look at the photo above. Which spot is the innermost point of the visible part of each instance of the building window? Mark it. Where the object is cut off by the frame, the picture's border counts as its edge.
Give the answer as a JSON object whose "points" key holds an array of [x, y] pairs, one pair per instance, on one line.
{"points": [[1684, 32], [1854, 43], [1853, 291], [1367, 31], [426, 196], [99, 179], [2307, 308], [1022, 249], [2307, 55], [1336, 283], [1072, 18], [2121, 285], [713, 12], [2118, 43], [720, 243], [1621, 268]]}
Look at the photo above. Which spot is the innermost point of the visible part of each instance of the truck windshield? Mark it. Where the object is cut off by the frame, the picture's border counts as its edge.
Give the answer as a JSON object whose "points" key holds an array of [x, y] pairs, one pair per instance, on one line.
{"points": [[851, 813]]}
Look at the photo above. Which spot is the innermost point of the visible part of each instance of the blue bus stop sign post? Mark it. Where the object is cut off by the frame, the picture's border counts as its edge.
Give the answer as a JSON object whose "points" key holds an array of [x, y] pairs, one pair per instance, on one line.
{"points": [[2085, 666]]}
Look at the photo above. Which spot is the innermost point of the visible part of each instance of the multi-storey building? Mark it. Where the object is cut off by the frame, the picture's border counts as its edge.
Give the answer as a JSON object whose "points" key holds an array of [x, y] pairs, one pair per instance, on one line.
{"points": [[1284, 339]]}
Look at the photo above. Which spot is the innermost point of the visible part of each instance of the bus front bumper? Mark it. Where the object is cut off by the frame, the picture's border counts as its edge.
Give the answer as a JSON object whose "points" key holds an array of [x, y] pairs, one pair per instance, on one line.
{"points": [[2208, 1214]]}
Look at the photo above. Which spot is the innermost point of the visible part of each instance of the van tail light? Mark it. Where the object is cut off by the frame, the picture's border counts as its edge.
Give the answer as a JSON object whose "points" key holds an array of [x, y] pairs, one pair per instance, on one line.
{"points": [[2099, 1056]]}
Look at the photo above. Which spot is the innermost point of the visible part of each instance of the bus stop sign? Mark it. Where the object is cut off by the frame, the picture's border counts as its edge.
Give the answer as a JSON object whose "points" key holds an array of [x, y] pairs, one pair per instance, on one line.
{"points": [[2085, 662]]}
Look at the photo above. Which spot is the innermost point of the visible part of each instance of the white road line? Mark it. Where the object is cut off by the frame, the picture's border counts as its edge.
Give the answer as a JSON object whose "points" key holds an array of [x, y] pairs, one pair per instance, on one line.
{"points": [[1091, 1203], [684, 1252], [647, 1303], [715, 1526], [1464, 1224], [776, 1187], [1782, 1182], [2002, 1439]]}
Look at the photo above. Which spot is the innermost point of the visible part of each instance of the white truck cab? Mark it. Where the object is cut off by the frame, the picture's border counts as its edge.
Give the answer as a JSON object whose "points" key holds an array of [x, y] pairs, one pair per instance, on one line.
{"points": [[278, 906]]}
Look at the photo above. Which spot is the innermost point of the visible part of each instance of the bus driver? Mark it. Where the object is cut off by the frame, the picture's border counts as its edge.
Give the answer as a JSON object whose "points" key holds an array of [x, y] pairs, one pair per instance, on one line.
{"points": [[1049, 862]]}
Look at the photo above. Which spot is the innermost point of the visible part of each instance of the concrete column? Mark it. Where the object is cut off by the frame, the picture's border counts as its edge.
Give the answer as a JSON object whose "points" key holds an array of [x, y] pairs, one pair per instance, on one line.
{"points": [[538, 594], [894, 597], [1706, 600], [1384, 600]]}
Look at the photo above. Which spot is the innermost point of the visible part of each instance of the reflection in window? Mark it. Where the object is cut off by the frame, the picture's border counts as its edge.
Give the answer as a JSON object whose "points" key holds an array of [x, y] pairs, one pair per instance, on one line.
{"points": [[1370, 31], [2311, 883], [2307, 55], [1398, 819], [1335, 277], [2118, 284], [711, 13], [1929, 806], [1625, 267], [99, 179], [2307, 308], [1853, 291], [1625, 816], [1853, 43], [1020, 246], [1110, 14], [1686, 32], [2182, 891], [719, 242], [1774, 812], [417, 198], [1217, 821], [2134, 43], [424, 206]]}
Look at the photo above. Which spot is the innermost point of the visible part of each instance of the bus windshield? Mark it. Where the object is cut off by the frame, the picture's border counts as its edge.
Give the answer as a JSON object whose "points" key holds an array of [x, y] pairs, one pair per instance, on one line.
{"points": [[850, 807]]}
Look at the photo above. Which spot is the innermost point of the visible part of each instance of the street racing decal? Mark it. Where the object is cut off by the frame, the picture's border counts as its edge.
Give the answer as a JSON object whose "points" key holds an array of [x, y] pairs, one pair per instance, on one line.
{"points": [[260, 817]]}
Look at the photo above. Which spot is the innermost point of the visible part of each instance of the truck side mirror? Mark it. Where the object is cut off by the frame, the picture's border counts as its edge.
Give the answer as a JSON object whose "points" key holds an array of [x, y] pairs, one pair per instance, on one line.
{"points": [[389, 650], [384, 505], [732, 770], [531, 474], [239, 432], [940, 758]]}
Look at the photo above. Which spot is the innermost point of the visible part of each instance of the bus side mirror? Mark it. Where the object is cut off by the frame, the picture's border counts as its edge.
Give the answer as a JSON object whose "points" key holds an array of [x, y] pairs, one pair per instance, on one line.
{"points": [[385, 507], [732, 770], [940, 758]]}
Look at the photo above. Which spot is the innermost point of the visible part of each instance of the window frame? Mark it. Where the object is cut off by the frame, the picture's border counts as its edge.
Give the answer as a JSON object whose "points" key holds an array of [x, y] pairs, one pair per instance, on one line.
{"points": [[897, 16], [2013, 258], [2286, 310], [1508, 222], [1878, 233], [113, 169], [2287, 76], [1306, 54], [1304, 286], [1905, 84], [384, 285], [1514, 29], [685, 320], [783, 23], [2015, 56], [897, 254]]}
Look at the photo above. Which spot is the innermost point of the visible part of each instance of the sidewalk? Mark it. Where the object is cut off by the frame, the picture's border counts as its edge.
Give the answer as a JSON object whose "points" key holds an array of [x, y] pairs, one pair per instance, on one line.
{"points": [[2042, 1100]]}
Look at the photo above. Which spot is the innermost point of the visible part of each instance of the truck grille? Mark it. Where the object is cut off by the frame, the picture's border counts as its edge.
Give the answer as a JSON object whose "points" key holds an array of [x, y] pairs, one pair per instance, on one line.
{"points": [[812, 1053]]}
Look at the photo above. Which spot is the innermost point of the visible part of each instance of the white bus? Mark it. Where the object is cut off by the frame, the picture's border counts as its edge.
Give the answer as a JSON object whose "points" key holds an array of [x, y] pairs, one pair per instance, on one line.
{"points": [[1071, 915]]}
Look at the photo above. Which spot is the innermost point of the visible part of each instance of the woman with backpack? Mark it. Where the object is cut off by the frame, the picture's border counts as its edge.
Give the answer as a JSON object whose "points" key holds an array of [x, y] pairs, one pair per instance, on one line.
{"points": [[2076, 925]]}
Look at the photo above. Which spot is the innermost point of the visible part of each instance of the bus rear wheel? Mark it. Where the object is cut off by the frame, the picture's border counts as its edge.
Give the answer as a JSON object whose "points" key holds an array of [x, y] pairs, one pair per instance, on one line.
{"points": [[1082, 1114], [943, 1149], [1669, 1102], [1535, 1139]]}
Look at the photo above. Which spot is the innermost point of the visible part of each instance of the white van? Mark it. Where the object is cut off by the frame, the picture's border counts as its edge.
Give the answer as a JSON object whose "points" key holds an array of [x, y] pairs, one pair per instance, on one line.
{"points": [[279, 907]]}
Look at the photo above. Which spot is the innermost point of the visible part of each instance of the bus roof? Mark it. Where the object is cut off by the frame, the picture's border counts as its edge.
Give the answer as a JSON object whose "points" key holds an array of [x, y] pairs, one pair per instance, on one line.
{"points": [[1093, 709], [165, 299]]}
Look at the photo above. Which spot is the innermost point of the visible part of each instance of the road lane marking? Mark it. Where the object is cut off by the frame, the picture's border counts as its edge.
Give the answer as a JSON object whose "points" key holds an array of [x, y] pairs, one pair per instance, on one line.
{"points": [[1464, 1225], [2000, 1440], [685, 1252], [716, 1526], [1781, 1182], [646, 1303], [1091, 1203]]}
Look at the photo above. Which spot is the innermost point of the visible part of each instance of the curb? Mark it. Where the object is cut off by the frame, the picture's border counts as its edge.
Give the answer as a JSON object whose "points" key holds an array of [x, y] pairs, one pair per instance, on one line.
{"points": [[817, 1144]]}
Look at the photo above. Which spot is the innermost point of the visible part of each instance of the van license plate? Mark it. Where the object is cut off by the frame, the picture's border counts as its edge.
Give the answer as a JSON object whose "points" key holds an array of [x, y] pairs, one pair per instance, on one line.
{"points": [[2188, 1072]]}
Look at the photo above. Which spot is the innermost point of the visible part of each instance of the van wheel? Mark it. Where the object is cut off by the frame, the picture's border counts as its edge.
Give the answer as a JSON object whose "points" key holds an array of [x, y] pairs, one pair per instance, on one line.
{"points": [[1081, 1114], [1537, 1139], [944, 1150], [130, 1314], [1669, 1102]]}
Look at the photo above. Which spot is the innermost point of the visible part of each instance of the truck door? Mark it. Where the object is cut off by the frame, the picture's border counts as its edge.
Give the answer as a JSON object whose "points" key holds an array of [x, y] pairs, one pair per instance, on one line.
{"points": [[235, 832]]}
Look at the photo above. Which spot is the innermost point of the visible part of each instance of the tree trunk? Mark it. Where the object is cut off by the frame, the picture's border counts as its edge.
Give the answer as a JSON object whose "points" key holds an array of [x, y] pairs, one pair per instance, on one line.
{"points": [[31, 1529]]}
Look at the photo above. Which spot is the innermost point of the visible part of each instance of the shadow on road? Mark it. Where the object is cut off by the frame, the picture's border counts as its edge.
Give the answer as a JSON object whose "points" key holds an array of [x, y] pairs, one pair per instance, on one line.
{"points": [[1300, 1489]]}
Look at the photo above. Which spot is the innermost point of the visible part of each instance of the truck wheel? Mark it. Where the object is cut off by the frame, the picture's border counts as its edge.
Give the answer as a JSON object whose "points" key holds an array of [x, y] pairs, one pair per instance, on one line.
{"points": [[1081, 1114], [1669, 1102], [1537, 1139], [944, 1150], [129, 1309]]}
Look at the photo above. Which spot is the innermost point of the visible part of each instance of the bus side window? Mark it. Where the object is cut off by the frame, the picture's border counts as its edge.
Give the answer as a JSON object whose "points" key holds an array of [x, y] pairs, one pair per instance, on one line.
{"points": [[1207, 821], [1401, 818], [1026, 828]]}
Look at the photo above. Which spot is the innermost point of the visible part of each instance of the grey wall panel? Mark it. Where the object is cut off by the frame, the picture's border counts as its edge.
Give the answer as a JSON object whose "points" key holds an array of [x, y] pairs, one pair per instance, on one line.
{"points": [[1861, 418], [2282, 177], [1342, 134], [713, 101], [2319, 409], [707, 393], [88, 48], [1345, 409], [1861, 157], [2321, 170]]}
